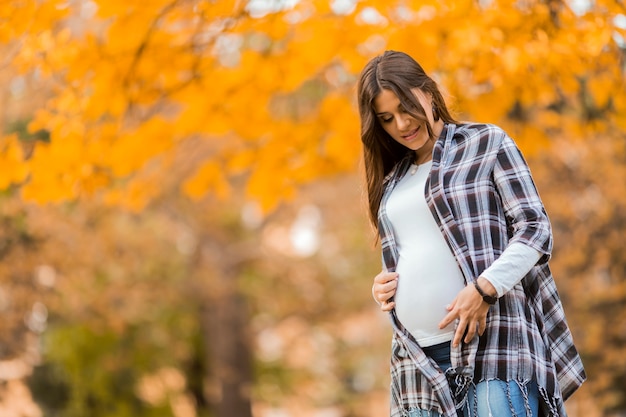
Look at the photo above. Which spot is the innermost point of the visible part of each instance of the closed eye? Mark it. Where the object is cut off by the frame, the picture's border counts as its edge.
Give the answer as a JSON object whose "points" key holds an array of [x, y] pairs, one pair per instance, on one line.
{"points": [[386, 118]]}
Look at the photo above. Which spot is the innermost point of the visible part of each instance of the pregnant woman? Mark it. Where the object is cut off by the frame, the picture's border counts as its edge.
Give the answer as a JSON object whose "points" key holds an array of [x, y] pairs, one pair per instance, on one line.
{"points": [[479, 329]]}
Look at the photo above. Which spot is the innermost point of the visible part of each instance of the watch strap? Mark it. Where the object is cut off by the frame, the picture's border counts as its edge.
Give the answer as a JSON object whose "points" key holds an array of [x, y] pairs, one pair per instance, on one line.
{"points": [[489, 299]]}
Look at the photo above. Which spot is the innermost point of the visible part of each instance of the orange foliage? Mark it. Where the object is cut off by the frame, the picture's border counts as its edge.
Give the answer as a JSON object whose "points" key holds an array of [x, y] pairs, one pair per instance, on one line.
{"points": [[134, 81], [151, 98]]}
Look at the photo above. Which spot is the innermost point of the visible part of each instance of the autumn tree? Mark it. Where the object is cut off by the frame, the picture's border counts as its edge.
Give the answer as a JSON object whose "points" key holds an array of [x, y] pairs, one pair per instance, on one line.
{"points": [[231, 101]]}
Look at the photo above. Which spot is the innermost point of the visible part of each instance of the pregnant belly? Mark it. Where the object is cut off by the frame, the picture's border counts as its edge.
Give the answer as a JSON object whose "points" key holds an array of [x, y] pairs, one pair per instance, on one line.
{"points": [[422, 296]]}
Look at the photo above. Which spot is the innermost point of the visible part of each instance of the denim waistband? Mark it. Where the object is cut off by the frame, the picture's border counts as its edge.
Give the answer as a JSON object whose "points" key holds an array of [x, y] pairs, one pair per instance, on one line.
{"points": [[440, 353]]}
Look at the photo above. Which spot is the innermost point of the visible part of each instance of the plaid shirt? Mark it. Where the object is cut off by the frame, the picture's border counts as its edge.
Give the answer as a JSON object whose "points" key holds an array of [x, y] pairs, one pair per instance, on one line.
{"points": [[482, 196]]}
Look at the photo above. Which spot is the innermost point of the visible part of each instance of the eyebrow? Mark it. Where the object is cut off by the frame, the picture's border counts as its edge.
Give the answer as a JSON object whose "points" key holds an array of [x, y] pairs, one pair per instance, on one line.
{"points": [[386, 112]]}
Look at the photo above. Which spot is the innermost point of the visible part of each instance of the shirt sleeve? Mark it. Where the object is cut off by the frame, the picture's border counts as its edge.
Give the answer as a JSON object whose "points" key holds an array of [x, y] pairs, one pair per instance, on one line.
{"points": [[527, 220], [509, 269]]}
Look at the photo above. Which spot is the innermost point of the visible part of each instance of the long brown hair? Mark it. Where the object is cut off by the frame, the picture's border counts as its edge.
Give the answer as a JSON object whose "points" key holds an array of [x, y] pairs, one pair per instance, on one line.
{"points": [[399, 73]]}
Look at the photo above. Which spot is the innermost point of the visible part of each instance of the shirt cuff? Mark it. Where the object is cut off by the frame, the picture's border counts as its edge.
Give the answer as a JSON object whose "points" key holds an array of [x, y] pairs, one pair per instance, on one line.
{"points": [[513, 265]]}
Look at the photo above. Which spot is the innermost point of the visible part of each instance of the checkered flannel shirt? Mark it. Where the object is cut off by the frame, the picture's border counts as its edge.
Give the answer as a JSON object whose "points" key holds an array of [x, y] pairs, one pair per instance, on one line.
{"points": [[482, 196]]}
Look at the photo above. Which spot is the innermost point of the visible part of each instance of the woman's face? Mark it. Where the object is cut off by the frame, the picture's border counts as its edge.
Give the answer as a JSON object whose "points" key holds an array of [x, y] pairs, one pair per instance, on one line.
{"points": [[400, 125]]}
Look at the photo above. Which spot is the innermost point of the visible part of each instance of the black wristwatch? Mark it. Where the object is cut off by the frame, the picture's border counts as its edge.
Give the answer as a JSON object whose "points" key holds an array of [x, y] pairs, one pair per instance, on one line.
{"points": [[489, 299]]}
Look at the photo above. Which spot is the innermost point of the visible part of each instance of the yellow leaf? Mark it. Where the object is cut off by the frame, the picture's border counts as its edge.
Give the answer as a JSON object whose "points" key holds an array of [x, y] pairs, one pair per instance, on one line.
{"points": [[135, 194], [241, 161], [132, 150], [209, 178], [268, 188], [549, 119], [12, 162], [511, 59], [602, 88]]}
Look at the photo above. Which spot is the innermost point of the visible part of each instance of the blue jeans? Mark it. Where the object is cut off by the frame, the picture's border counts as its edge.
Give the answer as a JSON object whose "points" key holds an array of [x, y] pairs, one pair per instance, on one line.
{"points": [[489, 398]]}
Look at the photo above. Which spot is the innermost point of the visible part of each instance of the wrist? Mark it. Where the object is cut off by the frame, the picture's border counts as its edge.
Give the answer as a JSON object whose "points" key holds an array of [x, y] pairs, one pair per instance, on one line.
{"points": [[487, 287], [487, 297]]}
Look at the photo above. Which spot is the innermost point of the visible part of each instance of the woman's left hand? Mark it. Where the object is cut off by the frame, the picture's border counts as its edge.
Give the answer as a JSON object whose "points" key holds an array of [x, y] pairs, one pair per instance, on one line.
{"points": [[471, 311]]}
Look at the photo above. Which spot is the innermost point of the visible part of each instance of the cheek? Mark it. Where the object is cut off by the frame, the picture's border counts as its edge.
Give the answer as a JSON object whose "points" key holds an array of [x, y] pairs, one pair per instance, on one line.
{"points": [[388, 127]]}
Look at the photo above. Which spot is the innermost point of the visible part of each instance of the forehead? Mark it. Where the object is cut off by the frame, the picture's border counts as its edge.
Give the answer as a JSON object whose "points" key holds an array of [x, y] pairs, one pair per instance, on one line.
{"points": [[388, 102]]}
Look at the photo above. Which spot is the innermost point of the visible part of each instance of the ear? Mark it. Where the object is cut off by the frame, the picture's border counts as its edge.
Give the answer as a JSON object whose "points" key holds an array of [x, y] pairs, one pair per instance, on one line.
{"points": [[435, 112]]}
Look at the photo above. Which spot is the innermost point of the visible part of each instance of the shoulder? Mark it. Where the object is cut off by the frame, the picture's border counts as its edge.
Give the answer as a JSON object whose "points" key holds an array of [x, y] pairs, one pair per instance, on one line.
{"points": [[480, 132], [479, 140], [483, 139]]}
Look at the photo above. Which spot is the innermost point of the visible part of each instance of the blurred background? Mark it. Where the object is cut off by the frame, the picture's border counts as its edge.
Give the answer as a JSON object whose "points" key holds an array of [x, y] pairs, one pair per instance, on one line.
{"points": [[183, 229]]}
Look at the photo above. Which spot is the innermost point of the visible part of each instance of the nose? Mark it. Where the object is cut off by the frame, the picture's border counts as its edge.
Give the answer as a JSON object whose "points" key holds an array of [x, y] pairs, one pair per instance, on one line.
{"points": [[403, 122]]}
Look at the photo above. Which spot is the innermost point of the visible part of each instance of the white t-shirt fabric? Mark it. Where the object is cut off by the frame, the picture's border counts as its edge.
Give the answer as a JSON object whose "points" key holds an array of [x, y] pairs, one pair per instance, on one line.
{"points": [[509, 269], [428, 275]]}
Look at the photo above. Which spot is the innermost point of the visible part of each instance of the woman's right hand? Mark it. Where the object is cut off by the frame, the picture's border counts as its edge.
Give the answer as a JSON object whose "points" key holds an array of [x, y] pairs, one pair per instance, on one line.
{"points": [[384, 288]]}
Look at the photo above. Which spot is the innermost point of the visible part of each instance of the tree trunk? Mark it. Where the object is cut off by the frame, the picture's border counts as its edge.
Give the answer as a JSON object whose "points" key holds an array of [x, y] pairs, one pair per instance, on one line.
{"points": [[228, 353], [224, 316]]}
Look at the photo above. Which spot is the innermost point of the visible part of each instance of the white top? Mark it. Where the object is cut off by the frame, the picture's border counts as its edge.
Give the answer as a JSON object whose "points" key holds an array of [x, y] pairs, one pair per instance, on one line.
{"points": [[509, 269], [428, 275]]}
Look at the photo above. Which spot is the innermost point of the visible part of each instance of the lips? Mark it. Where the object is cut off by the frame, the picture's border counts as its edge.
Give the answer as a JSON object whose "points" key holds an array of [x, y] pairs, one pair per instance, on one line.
{"points": [[411, 133]]}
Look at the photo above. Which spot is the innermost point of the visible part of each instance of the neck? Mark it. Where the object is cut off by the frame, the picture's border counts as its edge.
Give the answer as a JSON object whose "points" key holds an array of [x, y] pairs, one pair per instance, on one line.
{"points": [[424, 155], [438, 127]]}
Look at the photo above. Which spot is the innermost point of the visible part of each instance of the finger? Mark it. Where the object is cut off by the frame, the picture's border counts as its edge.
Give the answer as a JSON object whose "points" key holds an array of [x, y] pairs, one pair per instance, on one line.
{"points": [[471, 331], [384, 296], [383, 291], [449, 318], [482, 325], [389, 290], [389, 287], [385, 277], [387, 306], [458, 335]]}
